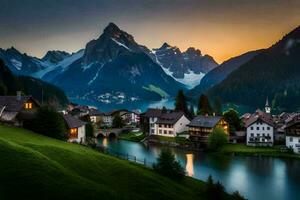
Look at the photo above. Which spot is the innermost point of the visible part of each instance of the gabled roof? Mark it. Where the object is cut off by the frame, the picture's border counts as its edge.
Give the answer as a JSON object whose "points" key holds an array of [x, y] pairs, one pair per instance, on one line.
{"points": [[169, 118], [114, 112], [205, 121], [94, 112], [153, 112], [260, 115], [73, 122], [293, 120], [13, 104]]}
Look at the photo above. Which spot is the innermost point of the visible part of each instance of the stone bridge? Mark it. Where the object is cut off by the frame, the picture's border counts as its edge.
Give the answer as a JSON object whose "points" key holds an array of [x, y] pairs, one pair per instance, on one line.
{"points": [[111, 132]]}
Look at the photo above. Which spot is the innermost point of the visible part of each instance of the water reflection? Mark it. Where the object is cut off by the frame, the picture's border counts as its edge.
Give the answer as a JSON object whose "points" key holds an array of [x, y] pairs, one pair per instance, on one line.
{"points": [[104, 142], [190, 164], [255, 177]]}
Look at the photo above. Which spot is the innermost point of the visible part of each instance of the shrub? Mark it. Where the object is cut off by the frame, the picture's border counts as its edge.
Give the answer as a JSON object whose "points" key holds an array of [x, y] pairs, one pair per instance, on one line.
{"points": [[214, 191], [48, 122], [118, 122], [89, 130], [217, 139], [168, 166]]}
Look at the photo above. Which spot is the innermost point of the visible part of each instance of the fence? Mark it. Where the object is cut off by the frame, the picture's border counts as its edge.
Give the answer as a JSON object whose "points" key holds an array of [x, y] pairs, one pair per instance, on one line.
{"points": [[126, 156]]}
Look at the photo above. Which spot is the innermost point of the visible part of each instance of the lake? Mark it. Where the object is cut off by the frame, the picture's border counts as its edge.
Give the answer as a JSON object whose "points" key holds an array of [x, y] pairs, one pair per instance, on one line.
{"points": [[257, 178]]}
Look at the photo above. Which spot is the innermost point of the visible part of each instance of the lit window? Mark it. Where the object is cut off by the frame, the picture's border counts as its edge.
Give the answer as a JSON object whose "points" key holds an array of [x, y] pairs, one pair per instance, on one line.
{"points": [[73, 132], [28, 105]]}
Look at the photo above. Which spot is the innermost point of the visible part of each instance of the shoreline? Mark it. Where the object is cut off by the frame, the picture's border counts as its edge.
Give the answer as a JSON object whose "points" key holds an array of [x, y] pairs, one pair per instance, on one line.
{"points": [[228, 149]]}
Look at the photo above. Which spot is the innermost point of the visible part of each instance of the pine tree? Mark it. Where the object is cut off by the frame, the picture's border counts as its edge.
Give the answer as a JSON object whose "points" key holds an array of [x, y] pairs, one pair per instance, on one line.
{"points": [[180, 102], [218, 106], [204, 105], [191, 111], [164, 109], [232, 117]]}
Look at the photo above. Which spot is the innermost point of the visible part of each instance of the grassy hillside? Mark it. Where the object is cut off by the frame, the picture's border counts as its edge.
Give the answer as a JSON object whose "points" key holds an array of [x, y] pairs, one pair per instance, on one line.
{"points": [[37, 167]]}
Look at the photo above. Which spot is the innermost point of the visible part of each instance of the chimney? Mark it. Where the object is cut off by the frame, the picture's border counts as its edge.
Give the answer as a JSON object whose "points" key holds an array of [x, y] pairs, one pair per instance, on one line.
{"points": [[19, 95]]}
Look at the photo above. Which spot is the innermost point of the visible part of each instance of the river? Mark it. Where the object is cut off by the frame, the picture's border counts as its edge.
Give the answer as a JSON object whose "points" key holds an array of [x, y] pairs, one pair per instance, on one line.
{"points": [[256, 178]]}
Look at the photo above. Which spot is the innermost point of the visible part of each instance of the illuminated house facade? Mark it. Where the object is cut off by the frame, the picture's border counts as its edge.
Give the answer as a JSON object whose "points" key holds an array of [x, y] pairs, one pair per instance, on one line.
{"points": [[202, 126], [15, 110], [75, 129]]}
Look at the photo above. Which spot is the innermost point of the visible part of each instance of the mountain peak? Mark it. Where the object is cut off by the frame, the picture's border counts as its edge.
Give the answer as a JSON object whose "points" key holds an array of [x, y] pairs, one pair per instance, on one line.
{"points": [[193, 51], [112, 28], [55, 56], [165, 46], [13, 49]]}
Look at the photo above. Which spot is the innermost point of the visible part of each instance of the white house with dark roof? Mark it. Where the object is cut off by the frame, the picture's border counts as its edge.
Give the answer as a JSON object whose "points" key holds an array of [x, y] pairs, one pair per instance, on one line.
{"points": [[76, 129], [292, 133], [166, 123], [260, 129], [152, 115], [95, 115]]}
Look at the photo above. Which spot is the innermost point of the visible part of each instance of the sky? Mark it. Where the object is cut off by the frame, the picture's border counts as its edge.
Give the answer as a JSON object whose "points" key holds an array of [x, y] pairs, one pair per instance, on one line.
{"points": [[220, 28]]}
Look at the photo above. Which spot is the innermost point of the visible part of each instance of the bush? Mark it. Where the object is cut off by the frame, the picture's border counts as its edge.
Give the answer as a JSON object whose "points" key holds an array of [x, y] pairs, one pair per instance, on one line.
{"points": [[48, 122], [168, 166], [217, 139], [214, 191], [89, 130], [118, 122]]}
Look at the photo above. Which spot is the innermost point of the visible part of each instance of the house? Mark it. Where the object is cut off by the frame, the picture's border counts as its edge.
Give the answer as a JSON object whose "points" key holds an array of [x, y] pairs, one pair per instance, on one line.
{"points": [[292, 131], [260, 129], [15, 110], [78, 110], [165, 122], [202, 126], [76, 129], [95, 115], [130, 117], [149, 119], [171, 123], [107, 118]]}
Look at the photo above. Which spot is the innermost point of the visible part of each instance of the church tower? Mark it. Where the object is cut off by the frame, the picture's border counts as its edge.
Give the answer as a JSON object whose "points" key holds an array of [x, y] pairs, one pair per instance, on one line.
{"points": [[267, 107]]}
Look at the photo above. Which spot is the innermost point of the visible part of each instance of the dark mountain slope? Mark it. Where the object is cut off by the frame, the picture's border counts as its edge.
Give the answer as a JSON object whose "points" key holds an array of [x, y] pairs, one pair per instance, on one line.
{"points": [[10, 84], [221, 72], [274, 73]]}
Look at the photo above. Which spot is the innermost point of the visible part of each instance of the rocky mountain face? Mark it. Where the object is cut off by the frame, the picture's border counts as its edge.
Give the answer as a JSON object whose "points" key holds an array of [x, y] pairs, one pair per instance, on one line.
{"points": [[220, 73], [20, 64], [55, 57], [115, 68], [186, 67], [273, 73]]}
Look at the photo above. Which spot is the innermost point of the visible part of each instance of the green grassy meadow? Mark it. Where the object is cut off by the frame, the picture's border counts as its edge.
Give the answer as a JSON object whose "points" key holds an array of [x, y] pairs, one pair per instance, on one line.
{"points": [[37, 167]]}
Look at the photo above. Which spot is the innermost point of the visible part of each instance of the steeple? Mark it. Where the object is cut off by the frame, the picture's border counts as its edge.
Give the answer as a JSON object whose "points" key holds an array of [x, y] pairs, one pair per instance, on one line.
{"points": [[267, 107]]}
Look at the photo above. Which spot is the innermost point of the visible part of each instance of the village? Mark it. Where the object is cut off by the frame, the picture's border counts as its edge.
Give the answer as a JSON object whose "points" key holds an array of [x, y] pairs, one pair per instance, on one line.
{"points": [[164, 126]]}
